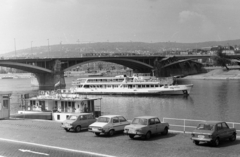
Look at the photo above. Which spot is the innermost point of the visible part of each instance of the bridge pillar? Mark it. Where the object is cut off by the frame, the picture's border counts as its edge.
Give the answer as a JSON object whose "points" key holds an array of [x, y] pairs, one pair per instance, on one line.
{"points": [[54, 80]]}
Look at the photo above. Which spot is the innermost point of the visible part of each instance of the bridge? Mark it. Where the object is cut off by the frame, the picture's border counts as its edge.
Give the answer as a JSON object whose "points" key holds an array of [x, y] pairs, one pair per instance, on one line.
{"points": [[50, 71]]}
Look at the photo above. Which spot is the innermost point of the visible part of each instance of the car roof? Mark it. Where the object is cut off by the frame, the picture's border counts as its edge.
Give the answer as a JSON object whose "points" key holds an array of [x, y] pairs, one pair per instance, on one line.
{"points": [[77, 114], [147, 117], [211, 122], [111, 116]]}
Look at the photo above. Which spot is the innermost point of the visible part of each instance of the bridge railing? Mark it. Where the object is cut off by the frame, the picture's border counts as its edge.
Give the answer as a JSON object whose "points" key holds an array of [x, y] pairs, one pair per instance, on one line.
{"points": [[188, 125]]}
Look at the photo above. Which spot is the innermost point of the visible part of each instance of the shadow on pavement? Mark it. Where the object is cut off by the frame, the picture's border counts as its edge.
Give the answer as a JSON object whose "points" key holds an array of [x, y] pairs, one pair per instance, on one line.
{"points": [[156, 137], [223, 143]]}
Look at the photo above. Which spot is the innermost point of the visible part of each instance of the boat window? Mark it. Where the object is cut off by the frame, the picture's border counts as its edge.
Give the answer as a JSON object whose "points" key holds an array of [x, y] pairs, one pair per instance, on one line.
{"points": [[156, 85], [139, 86], [152, 85], [86, 86], [147, 86]]}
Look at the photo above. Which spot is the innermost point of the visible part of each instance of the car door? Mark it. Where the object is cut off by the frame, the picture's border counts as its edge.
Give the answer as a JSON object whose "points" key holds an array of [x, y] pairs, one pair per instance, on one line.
{"points": [[226, 130], [90, 119], [123, 122], [83, 121], [152, 126], [219, 130], [116, 124], [158, 125]]}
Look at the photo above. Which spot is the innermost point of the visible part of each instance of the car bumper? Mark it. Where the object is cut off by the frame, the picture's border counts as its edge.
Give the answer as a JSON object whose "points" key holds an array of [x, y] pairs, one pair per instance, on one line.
{"points": [[67, 127], [133, 133], [97, 131], [201, 139]]}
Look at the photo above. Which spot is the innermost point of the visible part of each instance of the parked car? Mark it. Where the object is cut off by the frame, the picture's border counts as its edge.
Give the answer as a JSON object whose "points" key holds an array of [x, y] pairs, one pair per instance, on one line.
{"points": [[78, 121], [213, 132], [108, 124], [146, 126]]}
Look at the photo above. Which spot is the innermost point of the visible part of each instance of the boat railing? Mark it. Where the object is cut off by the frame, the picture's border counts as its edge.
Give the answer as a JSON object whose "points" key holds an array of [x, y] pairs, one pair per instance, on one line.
{"points": [[188, 125]]}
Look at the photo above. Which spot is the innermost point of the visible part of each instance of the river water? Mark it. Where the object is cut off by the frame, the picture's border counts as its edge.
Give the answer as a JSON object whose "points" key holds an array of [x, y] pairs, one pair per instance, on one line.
{"points": [[209, 100]]}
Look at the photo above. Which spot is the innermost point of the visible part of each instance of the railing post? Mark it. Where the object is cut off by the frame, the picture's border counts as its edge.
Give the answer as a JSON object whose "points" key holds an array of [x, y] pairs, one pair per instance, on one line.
{"points": [[184, 125]]}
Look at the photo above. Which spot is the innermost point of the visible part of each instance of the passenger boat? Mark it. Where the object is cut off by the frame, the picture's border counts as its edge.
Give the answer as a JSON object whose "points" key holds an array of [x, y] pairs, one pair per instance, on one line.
{"points": [[129, 85]]}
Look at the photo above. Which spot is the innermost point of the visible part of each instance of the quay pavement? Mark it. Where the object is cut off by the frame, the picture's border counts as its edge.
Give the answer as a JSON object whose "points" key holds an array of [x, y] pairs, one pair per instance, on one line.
{"points": [[43, 133]]}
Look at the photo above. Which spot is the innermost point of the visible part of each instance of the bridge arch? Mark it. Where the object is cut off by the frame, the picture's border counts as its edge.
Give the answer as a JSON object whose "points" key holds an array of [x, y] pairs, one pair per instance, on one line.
{"points": [[25, 67], [133, 64]]}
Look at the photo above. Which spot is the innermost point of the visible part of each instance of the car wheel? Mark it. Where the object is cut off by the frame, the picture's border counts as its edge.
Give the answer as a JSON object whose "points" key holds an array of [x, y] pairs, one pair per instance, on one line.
{"points": [[165, 132], [148, 136], [97, 133], [131, 136], [111, 133], [78, 128], [216, 142], [196, 142], [233, 137]]}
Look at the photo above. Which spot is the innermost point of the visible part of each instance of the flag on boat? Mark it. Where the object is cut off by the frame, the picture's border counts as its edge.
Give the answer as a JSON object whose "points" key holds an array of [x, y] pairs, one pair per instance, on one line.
{"points": [[57, 84]]}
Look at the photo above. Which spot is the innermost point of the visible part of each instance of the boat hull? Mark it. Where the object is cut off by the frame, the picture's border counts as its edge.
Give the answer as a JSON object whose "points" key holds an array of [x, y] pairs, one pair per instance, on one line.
{"points": [[173, 89]]}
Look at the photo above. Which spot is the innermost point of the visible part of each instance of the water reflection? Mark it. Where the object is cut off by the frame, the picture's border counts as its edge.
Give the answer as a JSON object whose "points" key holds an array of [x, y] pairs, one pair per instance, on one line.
{"points": [[132, 106]]}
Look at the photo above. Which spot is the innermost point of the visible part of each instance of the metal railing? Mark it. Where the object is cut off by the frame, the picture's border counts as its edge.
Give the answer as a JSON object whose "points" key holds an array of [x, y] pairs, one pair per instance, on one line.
{"points": [[188, 125]]}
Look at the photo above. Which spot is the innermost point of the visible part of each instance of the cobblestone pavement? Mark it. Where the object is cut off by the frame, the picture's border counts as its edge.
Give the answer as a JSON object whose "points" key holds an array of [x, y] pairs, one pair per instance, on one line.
{"points": [[50, 133]]}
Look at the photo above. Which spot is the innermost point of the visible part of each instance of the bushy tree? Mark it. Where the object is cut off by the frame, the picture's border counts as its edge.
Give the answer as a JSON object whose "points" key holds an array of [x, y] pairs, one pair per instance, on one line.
{"points": [[221, 59]]}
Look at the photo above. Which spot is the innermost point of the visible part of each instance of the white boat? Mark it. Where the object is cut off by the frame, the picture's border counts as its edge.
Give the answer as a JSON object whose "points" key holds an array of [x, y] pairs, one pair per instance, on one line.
{"points": [[129, 85], [57, 105]]}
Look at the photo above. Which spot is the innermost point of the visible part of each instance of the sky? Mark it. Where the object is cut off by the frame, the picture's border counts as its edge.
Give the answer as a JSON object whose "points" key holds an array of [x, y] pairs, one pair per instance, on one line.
{"points": [[32, 23]]}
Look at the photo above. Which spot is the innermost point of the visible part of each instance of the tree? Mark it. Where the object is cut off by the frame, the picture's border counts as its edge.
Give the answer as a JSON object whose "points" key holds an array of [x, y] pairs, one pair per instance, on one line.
{"points": [[113, 67], [100, 66], [221, 59]]}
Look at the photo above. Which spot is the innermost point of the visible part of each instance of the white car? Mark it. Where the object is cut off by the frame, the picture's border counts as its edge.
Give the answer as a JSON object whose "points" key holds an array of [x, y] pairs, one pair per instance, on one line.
{"points": [[108, 124]]}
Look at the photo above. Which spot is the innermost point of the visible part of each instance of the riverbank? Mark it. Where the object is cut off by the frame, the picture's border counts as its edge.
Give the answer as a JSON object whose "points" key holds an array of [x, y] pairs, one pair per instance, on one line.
{"points": [[218, 74]]}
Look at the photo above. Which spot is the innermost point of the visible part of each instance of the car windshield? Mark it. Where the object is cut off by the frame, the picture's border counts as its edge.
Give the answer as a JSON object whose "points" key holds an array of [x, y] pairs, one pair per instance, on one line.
{"points": [[103, 119], [72, 117], [140, 121], [205, 127]]}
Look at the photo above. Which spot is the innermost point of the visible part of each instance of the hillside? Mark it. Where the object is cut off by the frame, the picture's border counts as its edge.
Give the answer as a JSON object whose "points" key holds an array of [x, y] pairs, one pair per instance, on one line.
{"points": [[69, 50]]}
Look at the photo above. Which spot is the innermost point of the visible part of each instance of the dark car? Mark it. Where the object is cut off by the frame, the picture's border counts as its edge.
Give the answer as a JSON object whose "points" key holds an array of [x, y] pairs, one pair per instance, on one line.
{"points": [[213, 132]]}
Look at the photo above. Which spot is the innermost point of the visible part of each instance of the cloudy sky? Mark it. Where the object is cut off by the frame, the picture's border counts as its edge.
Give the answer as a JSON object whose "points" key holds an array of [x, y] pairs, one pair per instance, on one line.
{"points": [[38, 21]]}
